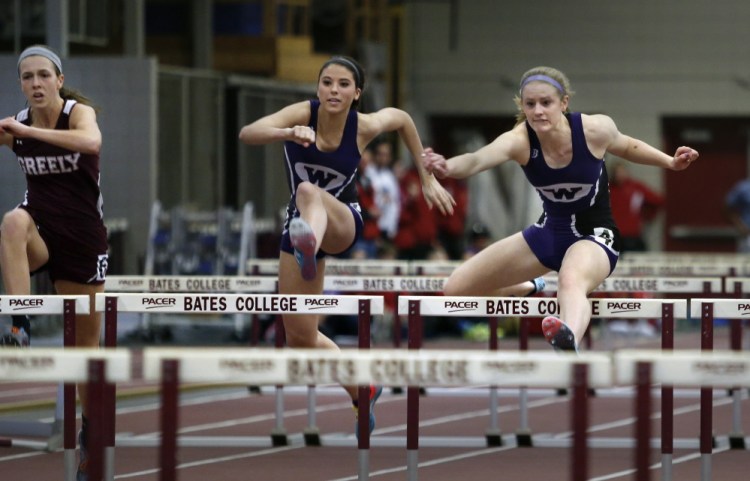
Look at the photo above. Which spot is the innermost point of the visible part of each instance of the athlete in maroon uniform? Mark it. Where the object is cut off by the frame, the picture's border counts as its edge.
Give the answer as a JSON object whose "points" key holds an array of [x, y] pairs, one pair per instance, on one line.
{"points": [[58, 227], [562, 156]]}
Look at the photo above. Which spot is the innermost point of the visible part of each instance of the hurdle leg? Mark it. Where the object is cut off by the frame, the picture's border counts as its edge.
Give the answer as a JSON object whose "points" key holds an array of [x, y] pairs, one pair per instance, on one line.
{"points": [[643, 422], [667, 396], [493, 434], [412, 398], [311, 433], [69, 396], [736, 437], [706, 415], [364, 321], [523, 433], [580, 421], [110, 418], [95, 388], [278, 433], [169, 420]]}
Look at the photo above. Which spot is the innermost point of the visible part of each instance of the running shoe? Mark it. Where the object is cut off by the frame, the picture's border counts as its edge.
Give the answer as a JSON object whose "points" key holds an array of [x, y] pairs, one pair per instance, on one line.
{"points": [[539, 284], [303, 241], [558, 334], [375, 392], [16, 337], [82, 473]]}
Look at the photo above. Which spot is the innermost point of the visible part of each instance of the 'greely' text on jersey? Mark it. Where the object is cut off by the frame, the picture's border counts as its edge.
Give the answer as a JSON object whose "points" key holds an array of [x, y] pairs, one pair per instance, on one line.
{"points": [[44, 165]]}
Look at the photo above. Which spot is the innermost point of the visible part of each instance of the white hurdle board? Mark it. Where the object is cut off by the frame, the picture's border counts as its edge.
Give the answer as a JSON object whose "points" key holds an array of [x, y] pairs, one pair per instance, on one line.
{"points": [[690, 368], [536, 307], [35, 305], [672, 285], [384, 284], [62, 365], [722, 308], [190, 284], [389, 367], [240, 303]]}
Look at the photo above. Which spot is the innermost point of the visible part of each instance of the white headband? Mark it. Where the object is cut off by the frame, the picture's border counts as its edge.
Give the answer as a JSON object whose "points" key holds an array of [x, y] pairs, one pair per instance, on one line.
{"points": [[42, 52]]}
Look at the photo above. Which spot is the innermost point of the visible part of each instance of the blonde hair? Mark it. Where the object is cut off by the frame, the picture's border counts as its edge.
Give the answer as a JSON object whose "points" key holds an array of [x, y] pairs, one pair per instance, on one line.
{"points": [[553, 76]]}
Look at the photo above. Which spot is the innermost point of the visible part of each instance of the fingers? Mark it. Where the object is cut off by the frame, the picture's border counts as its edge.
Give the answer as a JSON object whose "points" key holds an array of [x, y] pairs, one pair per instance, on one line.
{"points": [[303, 135]]}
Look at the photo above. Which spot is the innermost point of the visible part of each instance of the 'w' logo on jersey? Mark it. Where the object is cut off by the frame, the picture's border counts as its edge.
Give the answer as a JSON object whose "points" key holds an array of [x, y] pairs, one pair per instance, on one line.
{"points": [[324, 177], [565, 192]]}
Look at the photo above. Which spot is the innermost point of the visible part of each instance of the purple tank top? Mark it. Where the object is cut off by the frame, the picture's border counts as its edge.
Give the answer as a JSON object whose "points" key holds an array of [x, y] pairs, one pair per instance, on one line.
{"points": [[60, 182], [334, 171], [580, 186]]}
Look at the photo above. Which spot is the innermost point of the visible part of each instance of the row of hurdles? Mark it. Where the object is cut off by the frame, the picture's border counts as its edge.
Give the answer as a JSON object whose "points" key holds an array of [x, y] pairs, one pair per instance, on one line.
{"points": [[731, 372]]}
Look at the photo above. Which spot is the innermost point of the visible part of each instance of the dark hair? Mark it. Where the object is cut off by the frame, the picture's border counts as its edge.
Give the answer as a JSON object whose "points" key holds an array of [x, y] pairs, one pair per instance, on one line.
{"points": [[354, 67]]}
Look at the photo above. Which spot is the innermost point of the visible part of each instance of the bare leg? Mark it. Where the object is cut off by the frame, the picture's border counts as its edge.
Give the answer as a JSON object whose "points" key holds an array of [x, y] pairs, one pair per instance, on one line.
{"points": [[333, 225], [88, 326], [504, 268], [22, 251], [584, 268]]}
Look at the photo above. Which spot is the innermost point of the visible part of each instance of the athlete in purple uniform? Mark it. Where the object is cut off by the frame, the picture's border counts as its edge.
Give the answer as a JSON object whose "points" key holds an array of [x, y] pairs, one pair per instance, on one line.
{"points": [[323, 139], [58, 227], [562, 155]]}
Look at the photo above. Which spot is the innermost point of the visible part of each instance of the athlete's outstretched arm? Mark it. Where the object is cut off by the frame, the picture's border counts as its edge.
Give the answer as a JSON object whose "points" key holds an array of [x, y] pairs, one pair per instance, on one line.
{"points": [[289, 123], [505, 147], [83, 136], [392, 119], [638, 151]]}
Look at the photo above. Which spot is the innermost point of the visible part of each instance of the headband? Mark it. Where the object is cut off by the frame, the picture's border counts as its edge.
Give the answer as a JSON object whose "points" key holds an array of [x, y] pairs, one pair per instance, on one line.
{"points": [[543, 78], [348, 63], [42, 52]]}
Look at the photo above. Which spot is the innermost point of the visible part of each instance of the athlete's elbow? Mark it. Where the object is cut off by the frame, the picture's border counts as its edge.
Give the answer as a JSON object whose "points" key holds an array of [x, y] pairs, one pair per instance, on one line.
{"points": [[92, 146]]}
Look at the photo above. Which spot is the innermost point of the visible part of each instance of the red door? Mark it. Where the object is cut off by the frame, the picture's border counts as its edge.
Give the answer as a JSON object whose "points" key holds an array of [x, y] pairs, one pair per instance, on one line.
{"points": [[695, 220]]}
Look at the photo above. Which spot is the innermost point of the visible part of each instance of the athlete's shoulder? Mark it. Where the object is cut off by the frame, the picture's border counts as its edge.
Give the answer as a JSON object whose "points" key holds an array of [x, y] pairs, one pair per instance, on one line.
{"points": [[598, 128]]}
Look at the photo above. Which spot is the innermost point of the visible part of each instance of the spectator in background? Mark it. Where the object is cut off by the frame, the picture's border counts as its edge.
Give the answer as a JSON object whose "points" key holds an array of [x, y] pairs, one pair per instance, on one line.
{"points": [[479, 237], [386, 188], [633, 204], [452, 228], [417, 225], [737, 208], [367, 245]]}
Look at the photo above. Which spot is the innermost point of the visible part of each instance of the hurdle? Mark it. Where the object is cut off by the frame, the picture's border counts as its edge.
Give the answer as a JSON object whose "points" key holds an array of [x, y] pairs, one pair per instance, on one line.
{"points": [[415, 307], [197, 284], [336, 266], [735, 310], [173, 303], [382, 367], [640, 284], [703, 369], [68, 306], [96, 367]]}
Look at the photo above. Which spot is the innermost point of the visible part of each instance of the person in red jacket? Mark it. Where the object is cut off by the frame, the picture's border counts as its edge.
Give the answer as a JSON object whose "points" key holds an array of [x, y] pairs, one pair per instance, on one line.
{"points": [[452, 228], [417, 227], [633, 205]]}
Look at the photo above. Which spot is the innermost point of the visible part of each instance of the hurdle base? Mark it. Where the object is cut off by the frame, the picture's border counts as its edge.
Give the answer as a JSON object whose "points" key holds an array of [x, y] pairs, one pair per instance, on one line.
{"points": [[253, 389], [312, 437], [524, 439], [562, 391], [279, 438], [737, 441], [397, 390], [494, 438]]}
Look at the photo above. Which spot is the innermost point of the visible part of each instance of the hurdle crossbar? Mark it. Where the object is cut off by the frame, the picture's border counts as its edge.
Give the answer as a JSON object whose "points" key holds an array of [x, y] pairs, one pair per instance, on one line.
{"points": [[63, 426], [416, 307], [96, 367], [362, 306]]}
